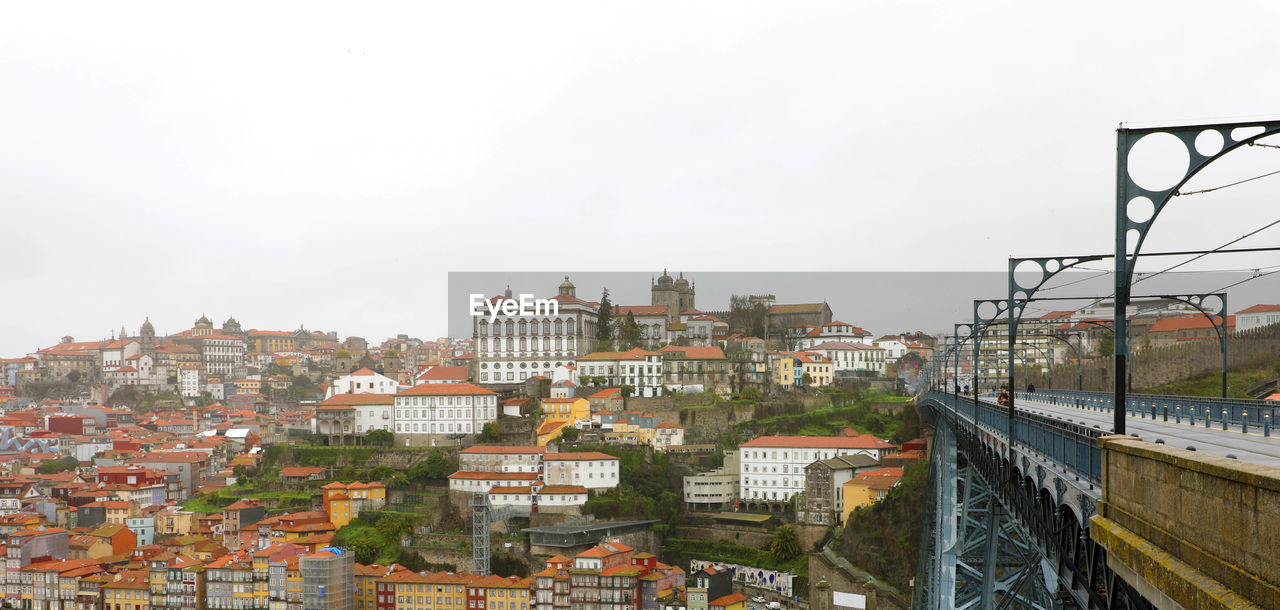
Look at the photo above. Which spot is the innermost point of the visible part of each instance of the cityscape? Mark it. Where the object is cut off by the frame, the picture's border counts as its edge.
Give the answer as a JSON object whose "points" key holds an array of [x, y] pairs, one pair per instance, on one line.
{"points": [[713, 306]]}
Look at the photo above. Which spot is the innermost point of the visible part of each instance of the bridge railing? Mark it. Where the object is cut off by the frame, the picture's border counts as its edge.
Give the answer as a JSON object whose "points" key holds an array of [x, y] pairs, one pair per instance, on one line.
{"points": [[1073, 446], [1160, 406]]}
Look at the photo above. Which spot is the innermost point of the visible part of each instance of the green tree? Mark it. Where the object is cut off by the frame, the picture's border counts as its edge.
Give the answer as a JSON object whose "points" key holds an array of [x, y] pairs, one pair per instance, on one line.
{"points": [[806, 379], [397, 480], [1107, 345], [569, 434], [380, 473], [66, 464], [626, 332], [627, 390], [491, 433], [786, 544], [604, 318], [380, 438], [366, 549], [73, 376]]}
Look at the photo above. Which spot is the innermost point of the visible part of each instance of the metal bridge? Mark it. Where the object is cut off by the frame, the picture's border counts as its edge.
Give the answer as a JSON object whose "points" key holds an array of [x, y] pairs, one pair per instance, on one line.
{"points": [[1047, 501], [1009, 523]]}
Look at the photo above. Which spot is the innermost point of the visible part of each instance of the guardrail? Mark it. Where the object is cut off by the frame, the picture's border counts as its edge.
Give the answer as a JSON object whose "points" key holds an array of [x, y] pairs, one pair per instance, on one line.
{"points": [[1223, 411], [1073, 446]]}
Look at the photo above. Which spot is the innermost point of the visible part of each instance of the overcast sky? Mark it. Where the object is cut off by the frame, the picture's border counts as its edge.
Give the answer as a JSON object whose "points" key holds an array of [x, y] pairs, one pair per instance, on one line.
{"points": [[329, 164]]}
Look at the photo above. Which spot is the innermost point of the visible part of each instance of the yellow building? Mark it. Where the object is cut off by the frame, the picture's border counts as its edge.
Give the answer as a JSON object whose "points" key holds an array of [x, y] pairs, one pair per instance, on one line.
{"points": [[868, 487], [819, 369], [271, 341], [550, 430], [248, 386], [783, 369], [344, 501], [565, 409], [367, 582], [127, 590], [173, 521]]}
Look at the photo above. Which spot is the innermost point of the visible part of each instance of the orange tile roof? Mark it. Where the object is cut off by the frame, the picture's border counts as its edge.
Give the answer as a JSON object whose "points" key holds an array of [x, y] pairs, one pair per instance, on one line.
{"points": [[866, 441], [347, 400], [577, 456], [501, 449], [495, 476], [443, 389], [1260, 308], [695, 352]]}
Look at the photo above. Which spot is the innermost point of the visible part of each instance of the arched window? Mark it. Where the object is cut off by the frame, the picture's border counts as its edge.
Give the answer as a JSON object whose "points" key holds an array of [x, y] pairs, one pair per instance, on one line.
{"points": [[511, 327], [484, 327], [484, 345], [509, 344], [533, 327], [559, 327], [546, 326], [523, 346], [524, 327], [559, 343], [569, 326]]}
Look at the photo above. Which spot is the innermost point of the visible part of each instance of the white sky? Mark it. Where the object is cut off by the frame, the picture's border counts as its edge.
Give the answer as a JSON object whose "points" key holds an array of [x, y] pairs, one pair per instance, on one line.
{"points": [[328, 164]]}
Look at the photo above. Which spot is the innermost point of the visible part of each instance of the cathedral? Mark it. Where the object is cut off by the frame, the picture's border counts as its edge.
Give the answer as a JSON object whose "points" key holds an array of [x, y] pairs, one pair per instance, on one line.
{"points": [[677, 295]]}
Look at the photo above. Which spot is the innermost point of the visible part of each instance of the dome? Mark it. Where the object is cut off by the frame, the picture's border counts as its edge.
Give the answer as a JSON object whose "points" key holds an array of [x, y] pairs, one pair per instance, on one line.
{"points": [[566, 283], [203, 321], [231, 321], [682, 283], [664, 279], [146, 326]]}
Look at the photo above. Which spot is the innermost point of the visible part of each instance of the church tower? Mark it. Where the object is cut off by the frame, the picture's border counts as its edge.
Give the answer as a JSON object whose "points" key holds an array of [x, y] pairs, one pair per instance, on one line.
{"points": [[147, 336], [567, 288]]}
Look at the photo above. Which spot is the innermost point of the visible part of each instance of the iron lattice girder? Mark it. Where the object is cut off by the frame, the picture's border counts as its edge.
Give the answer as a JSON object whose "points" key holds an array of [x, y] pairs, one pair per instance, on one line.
{"points": [[1069, 561]]}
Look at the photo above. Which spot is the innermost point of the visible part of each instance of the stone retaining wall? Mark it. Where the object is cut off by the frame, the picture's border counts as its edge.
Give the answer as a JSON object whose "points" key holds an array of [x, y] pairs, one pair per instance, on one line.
{"points": [[1188, 528]]}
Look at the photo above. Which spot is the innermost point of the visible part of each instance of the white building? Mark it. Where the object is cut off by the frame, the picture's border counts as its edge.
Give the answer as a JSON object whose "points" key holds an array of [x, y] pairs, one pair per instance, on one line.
{"points": [[221, 354], [773, 467], [501, 458], [362, 381], [482, 482], [538, 495], [512, 348], [831, 331], [591, 469], [436, 411], [893, 345], [638, 368], [1257, 317], [667, 435], [848, 357], [189, 381]]}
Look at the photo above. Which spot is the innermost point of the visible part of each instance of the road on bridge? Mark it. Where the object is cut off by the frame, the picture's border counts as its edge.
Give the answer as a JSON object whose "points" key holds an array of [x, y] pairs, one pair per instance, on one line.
{"points": [[1250, 447]]}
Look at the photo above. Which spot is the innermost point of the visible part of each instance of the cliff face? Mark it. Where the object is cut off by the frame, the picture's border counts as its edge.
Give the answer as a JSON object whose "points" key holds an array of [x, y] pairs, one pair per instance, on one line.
{"points": [[884, 538]]}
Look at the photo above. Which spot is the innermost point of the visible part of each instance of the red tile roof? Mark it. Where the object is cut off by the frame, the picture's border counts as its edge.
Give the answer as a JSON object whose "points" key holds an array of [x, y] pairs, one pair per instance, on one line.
{"points": [[577, 457], [501, 449], [1260, 309], [866, 441], [445, 389], [347, 400], [495, 476], [444, 372], [1186, 323]]}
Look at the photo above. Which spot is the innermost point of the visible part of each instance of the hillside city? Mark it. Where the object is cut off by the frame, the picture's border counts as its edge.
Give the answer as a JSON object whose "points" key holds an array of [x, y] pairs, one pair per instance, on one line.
{"points": [[674, 454]]}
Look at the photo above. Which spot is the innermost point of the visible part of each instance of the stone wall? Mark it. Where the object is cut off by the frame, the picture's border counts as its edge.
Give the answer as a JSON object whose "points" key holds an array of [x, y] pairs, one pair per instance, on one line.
{"points": [[1158, 366], [725, 533], [829, 573], [1187, 528]]}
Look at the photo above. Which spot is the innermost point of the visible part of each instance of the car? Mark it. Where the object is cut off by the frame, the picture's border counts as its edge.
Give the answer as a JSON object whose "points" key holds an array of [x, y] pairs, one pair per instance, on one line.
{"points": [[775, 606], [758, 599]]}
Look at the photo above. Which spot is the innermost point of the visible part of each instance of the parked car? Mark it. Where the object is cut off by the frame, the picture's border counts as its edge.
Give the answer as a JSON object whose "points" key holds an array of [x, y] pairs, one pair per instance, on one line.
{"points": [[759, 599]]}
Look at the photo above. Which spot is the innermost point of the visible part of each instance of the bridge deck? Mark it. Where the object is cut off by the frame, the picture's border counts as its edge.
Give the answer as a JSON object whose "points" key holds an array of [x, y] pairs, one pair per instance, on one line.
{"points": [[1251, 447]]}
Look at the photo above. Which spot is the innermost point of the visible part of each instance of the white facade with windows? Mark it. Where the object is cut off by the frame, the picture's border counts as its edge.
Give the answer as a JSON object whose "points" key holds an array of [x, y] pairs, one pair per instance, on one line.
{"points": [[374, 417], [773, 467], [425, 414], [189, 381], [512, 348], [363, 381], [1257, 317], [848, 357], [590, 469], [637, 368]]}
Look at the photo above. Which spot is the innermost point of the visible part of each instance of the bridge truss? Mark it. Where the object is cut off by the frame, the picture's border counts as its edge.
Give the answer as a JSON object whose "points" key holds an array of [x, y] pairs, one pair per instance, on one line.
{"points": [[1003, 534]]}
